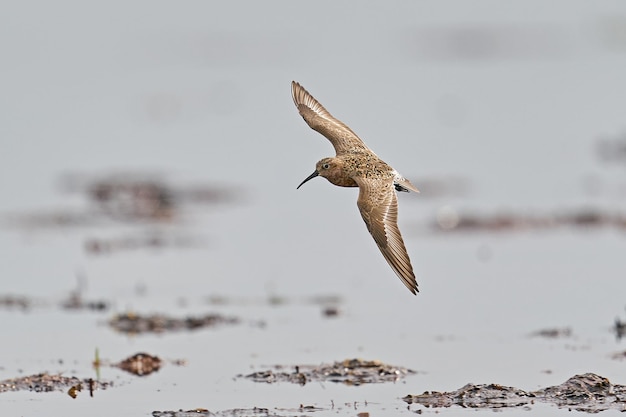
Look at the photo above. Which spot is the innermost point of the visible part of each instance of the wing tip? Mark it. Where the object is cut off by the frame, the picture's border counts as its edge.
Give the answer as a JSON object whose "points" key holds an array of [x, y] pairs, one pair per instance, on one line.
{"points": [[294, 89], [301, 97], [411, 284], [298, 92]]}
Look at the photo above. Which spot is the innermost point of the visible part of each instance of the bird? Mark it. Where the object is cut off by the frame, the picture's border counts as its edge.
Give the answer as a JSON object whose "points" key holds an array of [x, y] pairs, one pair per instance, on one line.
{"points": [[355, 165]]}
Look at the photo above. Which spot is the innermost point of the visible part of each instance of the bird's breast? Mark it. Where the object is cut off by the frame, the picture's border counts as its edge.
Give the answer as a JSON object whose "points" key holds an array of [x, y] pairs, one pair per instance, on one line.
{"points": [[342, 181]]}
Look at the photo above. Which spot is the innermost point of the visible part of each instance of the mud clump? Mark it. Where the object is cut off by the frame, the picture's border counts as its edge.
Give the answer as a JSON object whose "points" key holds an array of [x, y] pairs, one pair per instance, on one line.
{"points": [[473, 396], [587, 392], [350, 372], [584, 390], [140, 364], [241, 412], [131, 323], [45, 382]]}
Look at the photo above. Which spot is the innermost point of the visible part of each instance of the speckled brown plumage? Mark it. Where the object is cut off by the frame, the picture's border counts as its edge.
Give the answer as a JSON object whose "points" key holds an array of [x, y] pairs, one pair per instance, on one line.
{"points": [[355, 165]]}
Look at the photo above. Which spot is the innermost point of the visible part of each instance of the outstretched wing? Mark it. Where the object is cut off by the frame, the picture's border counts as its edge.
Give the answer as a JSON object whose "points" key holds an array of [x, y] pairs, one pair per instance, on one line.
{"points": [[320, 120], [379, 208]]}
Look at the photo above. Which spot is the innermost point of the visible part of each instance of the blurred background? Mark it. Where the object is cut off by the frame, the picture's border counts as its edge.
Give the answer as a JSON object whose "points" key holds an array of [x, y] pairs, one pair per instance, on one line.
{"points": [[150, 153]]}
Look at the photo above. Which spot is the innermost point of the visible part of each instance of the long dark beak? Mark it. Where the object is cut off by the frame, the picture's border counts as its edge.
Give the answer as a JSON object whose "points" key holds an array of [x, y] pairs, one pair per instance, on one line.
{"points": [[310, 177]]}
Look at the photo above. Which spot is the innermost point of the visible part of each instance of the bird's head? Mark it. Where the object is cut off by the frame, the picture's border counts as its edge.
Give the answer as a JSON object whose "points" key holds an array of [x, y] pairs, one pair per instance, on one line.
{"points": [[329, 168]]}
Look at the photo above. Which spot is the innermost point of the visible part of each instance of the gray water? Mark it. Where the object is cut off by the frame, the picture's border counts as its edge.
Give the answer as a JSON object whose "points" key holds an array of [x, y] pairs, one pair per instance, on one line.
{"points": [[511, 100]]}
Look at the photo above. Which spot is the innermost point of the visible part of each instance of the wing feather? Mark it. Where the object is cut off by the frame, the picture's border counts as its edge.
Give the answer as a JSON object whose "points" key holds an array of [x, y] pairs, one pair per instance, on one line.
{"points": [[378, 205], [320, 120]]}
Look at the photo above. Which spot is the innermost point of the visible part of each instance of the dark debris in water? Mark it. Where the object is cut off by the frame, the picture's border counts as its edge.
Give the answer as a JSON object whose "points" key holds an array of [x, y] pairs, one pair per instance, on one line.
{"points": [[275, 300], [619, 328], [136, 196], [129, 199], [331, 311], [349, 372], [75, 301], [587, 392], [553, 333], [45, 382], [449, 219], [328, 303], [17, 302], [240, 412], [153, 240], [132, 323], [619, 355]]}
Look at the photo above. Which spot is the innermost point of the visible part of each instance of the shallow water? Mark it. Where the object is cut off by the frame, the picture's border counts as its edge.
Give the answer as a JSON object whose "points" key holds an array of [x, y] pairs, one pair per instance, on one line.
{"points": [[513, 105]]}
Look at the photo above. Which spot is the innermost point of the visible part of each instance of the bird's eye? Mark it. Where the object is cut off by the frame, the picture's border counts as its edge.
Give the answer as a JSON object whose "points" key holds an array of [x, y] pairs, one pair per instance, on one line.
{"points": [[325, 166]]}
